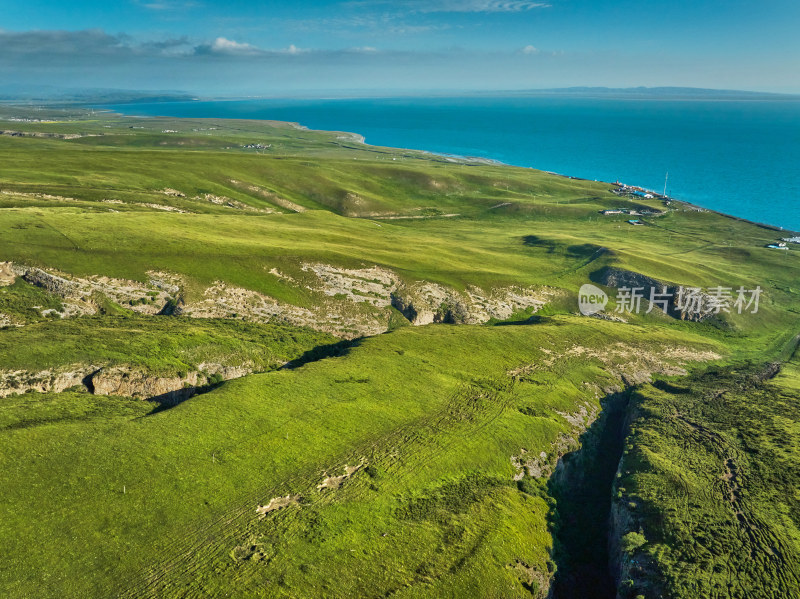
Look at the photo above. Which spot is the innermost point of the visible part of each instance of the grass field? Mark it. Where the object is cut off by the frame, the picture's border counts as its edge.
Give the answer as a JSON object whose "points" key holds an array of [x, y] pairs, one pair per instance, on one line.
{"points": [[710, 477], [435, 485], [159, 344], [414, 463]]}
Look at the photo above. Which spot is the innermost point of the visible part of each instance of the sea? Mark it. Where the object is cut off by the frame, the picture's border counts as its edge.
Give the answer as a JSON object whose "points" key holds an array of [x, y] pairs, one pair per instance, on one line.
{"points": [[741, 157]]}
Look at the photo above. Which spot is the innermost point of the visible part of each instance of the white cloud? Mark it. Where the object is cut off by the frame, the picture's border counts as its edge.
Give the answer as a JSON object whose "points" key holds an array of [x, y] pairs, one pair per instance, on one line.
{"points": [[167, 5], [56, 47], [482, 6], [432, 6], [530, 50], [292, 49], [223, 45]]}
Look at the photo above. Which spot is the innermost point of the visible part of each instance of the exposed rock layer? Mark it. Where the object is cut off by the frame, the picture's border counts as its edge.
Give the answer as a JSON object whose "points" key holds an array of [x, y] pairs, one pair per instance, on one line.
{"points": [[122, 380], [348, 302]]}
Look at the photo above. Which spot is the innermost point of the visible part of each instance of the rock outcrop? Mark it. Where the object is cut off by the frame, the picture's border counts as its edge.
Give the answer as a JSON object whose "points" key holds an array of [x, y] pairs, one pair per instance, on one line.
{"points": [[424, 303], [231, 203], [701, 309], [122, 380], [269, 195], [80, 295], [356, 302], [347, 302], [7, 275], [373, 285], [13, 382]]}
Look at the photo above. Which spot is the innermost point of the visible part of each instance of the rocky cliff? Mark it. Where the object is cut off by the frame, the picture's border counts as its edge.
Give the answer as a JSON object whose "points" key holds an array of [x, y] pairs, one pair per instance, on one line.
{"points": [[120, 379], [349, 303], [701, 310]]}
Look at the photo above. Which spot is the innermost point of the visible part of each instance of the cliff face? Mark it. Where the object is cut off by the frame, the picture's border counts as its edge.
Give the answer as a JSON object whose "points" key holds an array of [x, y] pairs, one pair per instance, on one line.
{"points": [[119, 380], [425, 303], [14, 382], [621, 522], [81, 295], [581, 486], [349, 303], [122, 380], [629, 571], [610, 276]]}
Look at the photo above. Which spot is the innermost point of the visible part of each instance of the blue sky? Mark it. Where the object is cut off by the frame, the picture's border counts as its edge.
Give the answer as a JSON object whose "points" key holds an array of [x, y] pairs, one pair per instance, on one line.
{"points": [[273, 48]]}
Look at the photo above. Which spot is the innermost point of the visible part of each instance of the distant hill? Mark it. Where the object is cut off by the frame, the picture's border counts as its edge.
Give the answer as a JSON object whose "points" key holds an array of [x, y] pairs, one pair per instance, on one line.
{"points": [[70, 96], [59, 96], [658, 92]]}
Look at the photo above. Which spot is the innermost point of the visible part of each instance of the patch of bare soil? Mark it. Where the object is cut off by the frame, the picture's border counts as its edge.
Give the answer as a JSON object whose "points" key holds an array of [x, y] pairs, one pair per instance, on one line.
{"points": [[269, 196], [38, 196], [334, 482], [231, 203], [48, 135], [277, 503], [413, 216], [163, 207], [174, 193]]}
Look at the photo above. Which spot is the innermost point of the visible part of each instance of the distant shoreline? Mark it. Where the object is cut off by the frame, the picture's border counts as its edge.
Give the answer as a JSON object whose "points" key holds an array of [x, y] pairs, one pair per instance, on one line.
{"points": [[719, 187]]}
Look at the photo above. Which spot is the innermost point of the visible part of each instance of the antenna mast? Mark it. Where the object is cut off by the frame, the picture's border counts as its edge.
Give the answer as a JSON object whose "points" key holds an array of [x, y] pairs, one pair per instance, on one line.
{"points": [[665, 183]]}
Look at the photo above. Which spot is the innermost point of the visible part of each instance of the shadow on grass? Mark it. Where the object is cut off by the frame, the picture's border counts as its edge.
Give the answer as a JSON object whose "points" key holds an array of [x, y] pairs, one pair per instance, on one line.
{"points": [[171, 399], [321, 352], [534, 319]]}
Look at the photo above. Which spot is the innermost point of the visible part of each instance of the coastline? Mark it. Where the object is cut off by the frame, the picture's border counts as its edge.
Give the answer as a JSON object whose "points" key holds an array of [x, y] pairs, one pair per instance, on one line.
{"points": [[358, 138], [478, 160]]}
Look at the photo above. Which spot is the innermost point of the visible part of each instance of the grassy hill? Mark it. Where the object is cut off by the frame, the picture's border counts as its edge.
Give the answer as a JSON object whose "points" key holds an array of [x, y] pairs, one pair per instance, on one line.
{"points": [[170, 499], [709, 483], [453, 459]]}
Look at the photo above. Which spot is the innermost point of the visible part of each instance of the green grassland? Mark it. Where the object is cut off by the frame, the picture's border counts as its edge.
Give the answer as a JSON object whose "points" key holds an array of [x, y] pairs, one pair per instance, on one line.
{"points": [[710, 477], [20, 300], [103, 496], [119, 499], [158, 344]]}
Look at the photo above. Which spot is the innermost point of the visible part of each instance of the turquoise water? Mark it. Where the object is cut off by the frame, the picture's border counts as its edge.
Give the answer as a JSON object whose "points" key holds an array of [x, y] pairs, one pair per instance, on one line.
{"points": [[739, 157]]}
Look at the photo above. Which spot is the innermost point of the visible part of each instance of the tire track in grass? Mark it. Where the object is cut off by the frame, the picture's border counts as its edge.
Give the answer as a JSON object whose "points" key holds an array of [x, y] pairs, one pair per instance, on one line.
{"points": [[239, 522]]}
